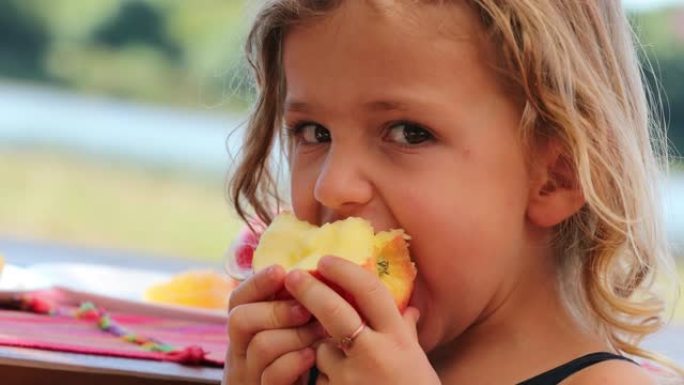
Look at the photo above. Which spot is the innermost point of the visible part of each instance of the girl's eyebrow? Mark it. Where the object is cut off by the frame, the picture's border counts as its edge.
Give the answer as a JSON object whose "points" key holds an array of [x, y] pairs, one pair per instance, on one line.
{"points": [[296, 106], [386, 105], [377, 105]]}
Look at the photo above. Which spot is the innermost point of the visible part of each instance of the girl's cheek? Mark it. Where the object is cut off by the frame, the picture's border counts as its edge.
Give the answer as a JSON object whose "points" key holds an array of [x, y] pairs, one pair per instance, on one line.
{"points": [[302, 197]]}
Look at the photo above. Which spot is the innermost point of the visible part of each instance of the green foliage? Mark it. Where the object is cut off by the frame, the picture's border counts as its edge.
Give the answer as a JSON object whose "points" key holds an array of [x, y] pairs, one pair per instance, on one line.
{"points": [[163, 51], [137, 23], [72, 20], [672, 77], [23, 43], [662, 40]]}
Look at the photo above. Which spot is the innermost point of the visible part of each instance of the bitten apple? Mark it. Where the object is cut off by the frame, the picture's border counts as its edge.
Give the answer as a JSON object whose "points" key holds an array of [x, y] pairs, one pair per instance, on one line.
{"points": [[296, 244]]}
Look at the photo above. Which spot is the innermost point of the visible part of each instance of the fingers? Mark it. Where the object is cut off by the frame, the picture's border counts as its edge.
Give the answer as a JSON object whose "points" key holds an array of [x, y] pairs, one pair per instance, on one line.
{"points": [[328, 358], [288, 368], [322, 380], [411, 316], [260, 287], [373, 299], [335, 314], [244, 321], [268, 345], [252, 313]]}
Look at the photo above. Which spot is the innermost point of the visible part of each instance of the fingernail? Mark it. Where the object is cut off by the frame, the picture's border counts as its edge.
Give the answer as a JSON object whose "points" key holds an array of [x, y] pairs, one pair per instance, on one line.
{"points": [[296, 277], [272, 271], [325, 261], [308, 354], [299, 311]]}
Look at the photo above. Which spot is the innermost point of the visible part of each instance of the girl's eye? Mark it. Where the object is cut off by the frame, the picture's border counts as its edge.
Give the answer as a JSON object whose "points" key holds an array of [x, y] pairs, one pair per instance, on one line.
{"points": [[312, 133], [408, 134]]}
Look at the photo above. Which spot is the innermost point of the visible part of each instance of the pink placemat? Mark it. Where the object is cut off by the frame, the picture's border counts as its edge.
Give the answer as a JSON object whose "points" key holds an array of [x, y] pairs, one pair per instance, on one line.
{"points": [[50, 320]]}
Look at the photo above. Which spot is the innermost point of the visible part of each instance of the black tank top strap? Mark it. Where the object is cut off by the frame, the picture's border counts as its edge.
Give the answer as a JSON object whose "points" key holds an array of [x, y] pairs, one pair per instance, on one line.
{"points": [[313, 376], [551, 377], [556, 375]]}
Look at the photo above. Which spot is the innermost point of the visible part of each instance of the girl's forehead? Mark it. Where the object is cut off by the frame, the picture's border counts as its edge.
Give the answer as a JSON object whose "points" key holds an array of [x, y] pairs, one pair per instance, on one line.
{"points": [[398, 27], [411, 17], [429, 46]]}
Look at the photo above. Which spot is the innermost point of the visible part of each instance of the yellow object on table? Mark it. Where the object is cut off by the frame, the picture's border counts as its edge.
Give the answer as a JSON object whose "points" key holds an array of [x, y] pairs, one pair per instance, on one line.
{"points": [[205, 289]]}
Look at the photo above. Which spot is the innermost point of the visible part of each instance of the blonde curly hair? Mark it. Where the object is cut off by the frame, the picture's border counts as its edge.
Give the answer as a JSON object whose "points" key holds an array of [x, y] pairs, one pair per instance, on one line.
{"points": [[575, 64]]}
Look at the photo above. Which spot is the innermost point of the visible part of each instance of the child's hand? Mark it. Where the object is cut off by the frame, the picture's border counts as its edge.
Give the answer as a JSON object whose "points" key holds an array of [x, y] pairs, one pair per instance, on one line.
{"points": [[386, 351], [269, 341]]}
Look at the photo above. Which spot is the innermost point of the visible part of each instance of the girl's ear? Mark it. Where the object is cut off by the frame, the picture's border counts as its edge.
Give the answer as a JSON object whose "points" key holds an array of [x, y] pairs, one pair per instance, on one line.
{"points": [[555, 194]]}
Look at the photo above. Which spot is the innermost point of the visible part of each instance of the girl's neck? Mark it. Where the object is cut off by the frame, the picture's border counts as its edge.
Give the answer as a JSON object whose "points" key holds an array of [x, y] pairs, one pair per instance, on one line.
{"points": [[527, 330]]}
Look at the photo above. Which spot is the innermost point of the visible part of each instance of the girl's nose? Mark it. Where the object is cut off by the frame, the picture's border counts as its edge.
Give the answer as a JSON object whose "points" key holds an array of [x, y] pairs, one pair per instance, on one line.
{"points": [[341, 183]]}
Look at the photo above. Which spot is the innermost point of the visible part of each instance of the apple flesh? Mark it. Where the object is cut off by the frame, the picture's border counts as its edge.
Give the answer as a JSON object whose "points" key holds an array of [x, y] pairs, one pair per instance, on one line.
{"points": [[296, 244]]}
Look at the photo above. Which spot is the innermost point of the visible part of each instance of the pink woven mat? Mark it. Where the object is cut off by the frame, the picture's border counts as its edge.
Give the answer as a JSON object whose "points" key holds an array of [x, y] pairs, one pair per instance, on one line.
{"points": [[48, 320]]}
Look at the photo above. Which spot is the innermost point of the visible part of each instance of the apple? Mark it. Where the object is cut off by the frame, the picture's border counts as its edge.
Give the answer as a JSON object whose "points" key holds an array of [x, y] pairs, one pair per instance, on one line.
{"points": [[296, 244]]}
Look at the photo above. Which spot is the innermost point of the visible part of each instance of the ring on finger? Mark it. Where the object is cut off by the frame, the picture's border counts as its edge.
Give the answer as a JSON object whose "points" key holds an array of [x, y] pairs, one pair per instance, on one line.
{"points": [[346, 343]]}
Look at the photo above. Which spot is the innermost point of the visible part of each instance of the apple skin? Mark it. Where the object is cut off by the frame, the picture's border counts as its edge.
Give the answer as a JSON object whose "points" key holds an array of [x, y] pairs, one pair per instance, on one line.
{"points": [[402, 303], [399, 266], [283, 294]]}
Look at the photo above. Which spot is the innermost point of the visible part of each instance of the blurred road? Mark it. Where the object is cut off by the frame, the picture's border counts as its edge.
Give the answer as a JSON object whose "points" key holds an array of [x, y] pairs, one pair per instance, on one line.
{"points": [[26, 253], [152, 135]]}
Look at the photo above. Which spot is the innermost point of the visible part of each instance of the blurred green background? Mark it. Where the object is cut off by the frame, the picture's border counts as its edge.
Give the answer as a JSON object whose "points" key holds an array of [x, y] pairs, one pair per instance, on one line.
{"points": [[102, 103], [183, 53], [133, 58]]}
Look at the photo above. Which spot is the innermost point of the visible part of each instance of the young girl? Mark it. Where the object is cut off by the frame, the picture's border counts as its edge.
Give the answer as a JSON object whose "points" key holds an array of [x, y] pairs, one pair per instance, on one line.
{"points": [[511, 140]]}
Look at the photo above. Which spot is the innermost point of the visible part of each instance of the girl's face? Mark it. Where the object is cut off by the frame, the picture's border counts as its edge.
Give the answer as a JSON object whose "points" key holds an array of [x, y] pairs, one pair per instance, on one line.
{"points": [[398, 118]]}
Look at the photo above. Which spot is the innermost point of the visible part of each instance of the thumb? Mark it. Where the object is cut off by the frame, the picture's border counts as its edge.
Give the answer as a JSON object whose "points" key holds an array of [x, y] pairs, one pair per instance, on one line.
{"points": [[411, 316]]}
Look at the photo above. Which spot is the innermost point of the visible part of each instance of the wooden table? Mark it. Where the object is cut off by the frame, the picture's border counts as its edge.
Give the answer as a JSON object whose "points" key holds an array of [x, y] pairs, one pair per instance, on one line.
{"points": [[29, 366]]}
